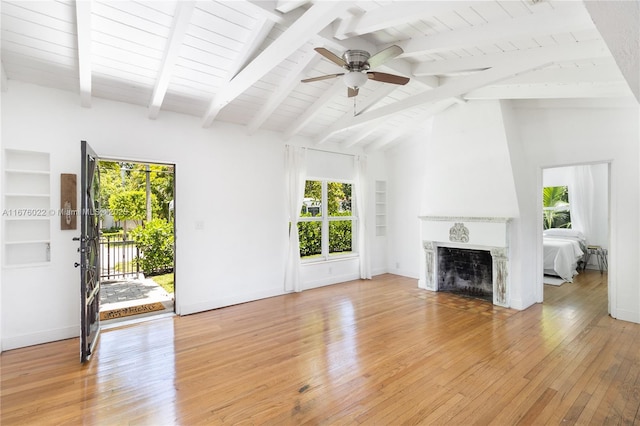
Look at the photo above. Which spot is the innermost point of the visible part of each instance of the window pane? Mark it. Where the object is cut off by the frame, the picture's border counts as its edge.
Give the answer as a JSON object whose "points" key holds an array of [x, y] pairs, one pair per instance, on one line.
{"points": [[339, 198], [340, 236], [555, 201], [310, 239], [312, 204]]}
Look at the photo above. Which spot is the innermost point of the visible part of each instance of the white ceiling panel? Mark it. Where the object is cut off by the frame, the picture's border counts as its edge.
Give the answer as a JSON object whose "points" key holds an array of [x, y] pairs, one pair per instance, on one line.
{"points": [[185, 56]]}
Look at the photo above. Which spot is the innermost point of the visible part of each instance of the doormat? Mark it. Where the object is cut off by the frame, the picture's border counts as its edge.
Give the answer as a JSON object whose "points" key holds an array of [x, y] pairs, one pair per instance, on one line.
{"points": [[131, 310]]}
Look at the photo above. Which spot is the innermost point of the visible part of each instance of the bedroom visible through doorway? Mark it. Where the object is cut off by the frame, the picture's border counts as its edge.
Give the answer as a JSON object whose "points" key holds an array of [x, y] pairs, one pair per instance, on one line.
{"points": [[575, 214], [136, 240]]}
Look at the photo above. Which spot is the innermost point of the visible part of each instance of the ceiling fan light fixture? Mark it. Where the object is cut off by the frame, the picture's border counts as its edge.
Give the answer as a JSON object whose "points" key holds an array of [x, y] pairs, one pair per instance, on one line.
{"points": [[355, 79]]}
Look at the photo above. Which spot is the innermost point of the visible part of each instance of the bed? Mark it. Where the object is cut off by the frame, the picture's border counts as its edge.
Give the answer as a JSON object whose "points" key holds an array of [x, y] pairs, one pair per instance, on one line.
{"points": [[564, 251]]}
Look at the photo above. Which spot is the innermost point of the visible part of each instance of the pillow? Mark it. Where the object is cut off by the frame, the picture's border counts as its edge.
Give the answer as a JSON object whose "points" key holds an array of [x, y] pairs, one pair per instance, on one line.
{"points": [[563, 232]]}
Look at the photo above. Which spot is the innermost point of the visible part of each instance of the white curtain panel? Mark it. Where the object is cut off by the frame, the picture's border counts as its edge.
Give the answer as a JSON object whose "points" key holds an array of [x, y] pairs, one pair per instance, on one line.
{"points": [[296, 170], [361, 204], [581, 199]]}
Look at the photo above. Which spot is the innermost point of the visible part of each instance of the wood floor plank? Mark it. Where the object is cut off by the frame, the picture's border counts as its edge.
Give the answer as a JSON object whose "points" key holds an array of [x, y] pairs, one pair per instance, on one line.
{"points": [[364, 352]]}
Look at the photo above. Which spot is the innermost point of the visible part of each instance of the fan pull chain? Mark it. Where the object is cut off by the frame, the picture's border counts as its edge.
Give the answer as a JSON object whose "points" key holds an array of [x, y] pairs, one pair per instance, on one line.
{"points": [[354, 106]]}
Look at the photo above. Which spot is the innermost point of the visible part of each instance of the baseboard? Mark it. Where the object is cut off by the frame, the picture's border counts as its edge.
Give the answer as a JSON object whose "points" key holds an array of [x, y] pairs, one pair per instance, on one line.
{"points": [[15, 342], [334, 279], [626, 315], [227, 301]]}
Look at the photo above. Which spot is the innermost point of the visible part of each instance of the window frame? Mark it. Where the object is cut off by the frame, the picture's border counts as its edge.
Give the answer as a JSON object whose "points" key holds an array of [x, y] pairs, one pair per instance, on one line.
{"points": [[324, 219]]}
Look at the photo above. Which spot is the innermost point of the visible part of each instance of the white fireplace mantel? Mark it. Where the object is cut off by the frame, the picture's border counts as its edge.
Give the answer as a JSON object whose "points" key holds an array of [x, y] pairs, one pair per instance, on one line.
{"points": [[482, 233]]}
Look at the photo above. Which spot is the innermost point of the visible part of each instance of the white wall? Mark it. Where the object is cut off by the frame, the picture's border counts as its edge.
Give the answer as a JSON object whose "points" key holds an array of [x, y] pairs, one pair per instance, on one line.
{"points": [[467, 166], [406, 170], [230, 206]]}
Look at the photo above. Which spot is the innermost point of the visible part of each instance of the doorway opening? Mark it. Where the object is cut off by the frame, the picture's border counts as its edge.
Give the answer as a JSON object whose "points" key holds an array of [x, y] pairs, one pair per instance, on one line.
{"points": [[137, 248], [576, 224]]}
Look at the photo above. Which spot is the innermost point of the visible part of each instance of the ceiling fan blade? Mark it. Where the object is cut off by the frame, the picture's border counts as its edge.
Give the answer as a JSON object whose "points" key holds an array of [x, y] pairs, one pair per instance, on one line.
{"points": [[387, 78], [384, 55], [331, 56], [351, 92], [322, 77]]}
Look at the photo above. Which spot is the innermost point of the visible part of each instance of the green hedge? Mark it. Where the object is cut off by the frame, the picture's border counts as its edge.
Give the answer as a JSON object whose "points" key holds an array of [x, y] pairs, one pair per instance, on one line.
{"points": [[340, 236], [155, 241]]}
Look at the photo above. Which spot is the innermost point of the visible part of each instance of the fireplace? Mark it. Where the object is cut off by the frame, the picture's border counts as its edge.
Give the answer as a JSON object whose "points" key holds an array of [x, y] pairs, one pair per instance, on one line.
{"points": [[465, 272], [466, 255]]}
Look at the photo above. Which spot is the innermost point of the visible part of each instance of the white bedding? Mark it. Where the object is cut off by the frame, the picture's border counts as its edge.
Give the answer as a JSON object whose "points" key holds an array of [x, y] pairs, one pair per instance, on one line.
{"points": [[561, 255]]}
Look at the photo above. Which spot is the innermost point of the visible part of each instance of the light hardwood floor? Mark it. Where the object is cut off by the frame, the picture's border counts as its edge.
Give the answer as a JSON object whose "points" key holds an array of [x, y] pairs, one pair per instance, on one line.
{"points": [[363, 352]]}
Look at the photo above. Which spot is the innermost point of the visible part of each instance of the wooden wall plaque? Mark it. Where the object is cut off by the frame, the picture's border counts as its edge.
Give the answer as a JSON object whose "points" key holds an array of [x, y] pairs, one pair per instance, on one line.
{"points": [[68, 201]]}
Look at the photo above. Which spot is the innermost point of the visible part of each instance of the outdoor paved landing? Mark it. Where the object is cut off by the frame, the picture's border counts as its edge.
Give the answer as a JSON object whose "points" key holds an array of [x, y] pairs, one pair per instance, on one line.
{"points": [[122, 294]]}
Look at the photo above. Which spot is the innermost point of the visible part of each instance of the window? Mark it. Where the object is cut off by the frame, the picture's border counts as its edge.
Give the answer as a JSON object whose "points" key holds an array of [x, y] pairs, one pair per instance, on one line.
{"points": [[555, 207], [326, 221]]}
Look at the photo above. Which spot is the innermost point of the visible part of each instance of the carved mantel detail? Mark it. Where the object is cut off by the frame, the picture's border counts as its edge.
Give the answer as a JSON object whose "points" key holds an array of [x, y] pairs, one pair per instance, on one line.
{"points": [[429, 252], [500, 270], [459, 233]]}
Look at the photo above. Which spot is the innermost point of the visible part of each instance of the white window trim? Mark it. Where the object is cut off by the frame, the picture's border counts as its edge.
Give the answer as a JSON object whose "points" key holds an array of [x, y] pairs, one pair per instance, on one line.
{"points": [[325, 256]]}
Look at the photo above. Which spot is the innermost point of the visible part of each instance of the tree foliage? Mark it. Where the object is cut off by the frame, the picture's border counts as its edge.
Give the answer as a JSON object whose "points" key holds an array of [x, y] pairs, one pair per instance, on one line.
{"points": [[555, 201], [117, 178]]}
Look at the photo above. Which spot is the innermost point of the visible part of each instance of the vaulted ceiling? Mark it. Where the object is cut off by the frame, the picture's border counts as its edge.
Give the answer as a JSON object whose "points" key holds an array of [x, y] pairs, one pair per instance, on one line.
{"points": [[242, 61]]}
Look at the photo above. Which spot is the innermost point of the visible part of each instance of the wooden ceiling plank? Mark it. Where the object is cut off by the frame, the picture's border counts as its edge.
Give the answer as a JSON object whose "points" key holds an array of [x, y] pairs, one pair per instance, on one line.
{"points": [[590, 49], [502, 71], [381, 93], [411, 126], [251, 46], [83, 25], [286, 6], [566, 19], [314, 109], [181, 20], [296, 36], [392, 15], [290, 82], [354, 140], [615, 89]]}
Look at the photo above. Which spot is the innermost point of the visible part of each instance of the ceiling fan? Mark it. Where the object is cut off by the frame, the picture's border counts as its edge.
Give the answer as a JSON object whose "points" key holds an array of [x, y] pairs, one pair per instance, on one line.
{"points": [[357, 64]]}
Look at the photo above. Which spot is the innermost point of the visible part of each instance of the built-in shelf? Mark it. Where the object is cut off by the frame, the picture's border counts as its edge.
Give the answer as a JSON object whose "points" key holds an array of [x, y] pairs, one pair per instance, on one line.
{"points": [[381, 208], [26, 216]]}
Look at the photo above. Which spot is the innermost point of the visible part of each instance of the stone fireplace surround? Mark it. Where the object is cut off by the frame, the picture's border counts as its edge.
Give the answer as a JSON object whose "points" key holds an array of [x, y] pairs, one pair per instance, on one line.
{"points": [[477, 233]]}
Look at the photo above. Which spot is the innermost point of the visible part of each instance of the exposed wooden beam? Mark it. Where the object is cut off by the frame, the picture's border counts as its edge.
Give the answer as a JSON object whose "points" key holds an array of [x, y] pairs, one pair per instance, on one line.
{"points": [[504, 70], [604, 89], [314, 109], [382, 92], [251, 46], [286, 6], [266, 8], [479, 63], [561, 20], [181, 19], [602, 73], [410, 127], [285, 87], [619, 25], [83, 29], [354, 140], [297, 35], [5, 84], [392, 15]]}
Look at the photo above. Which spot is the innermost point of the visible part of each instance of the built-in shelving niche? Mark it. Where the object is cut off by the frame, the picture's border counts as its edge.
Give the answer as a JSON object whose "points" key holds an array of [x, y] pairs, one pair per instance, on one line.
{"points": [[381, 208], [26, 212]]}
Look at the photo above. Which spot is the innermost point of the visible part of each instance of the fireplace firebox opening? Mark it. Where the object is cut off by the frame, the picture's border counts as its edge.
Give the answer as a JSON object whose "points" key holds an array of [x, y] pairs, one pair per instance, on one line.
{"points": [[466, 272]]}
